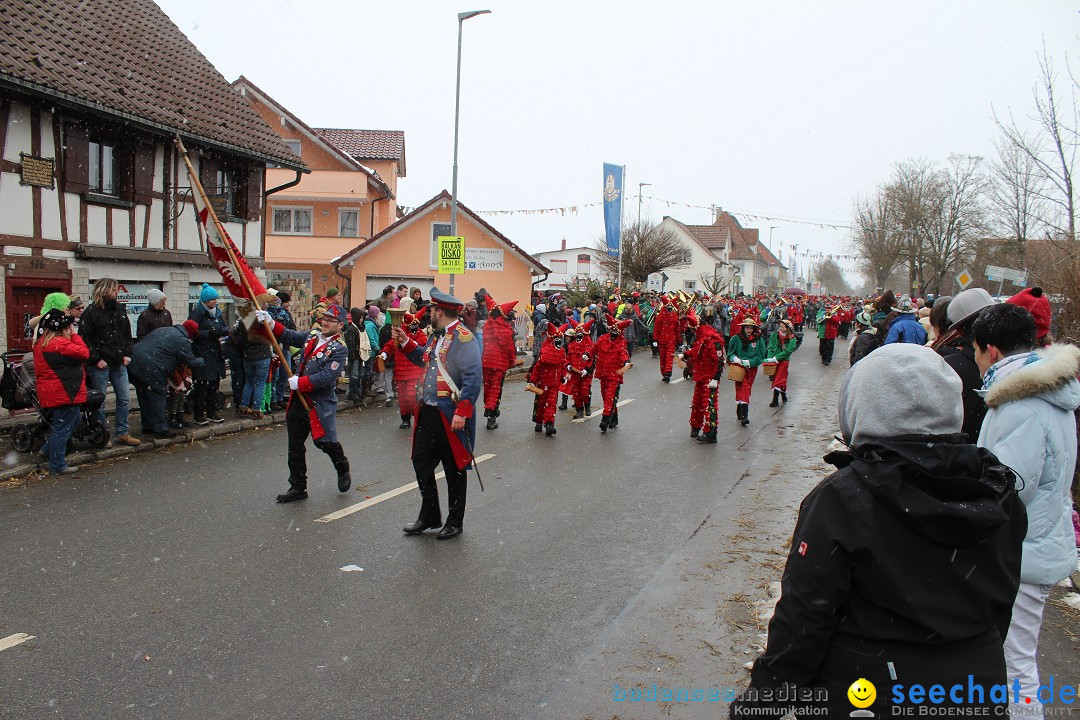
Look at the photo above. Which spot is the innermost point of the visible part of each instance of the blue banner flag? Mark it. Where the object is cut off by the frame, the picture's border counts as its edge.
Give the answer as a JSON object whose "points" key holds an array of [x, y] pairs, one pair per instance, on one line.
{"points": [[613, 187]]}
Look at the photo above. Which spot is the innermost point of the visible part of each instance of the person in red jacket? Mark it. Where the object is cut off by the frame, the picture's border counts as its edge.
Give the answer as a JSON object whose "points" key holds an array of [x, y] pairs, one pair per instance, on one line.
{"points": [[499, 356], [666, 333], [406, 374], [579, 368], [546, 374], [59, 372], [612, 361], [707, 356]]}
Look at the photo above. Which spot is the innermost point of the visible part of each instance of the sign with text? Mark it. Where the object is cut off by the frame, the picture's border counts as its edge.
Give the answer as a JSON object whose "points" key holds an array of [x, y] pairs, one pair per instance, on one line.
{"points": [[484, 259], [1017, 277], [451, 254], [36, 171]]}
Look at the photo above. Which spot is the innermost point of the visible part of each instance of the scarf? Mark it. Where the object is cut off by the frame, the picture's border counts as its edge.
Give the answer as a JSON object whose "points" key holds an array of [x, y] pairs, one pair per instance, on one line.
{"points": [[1007, 366]]}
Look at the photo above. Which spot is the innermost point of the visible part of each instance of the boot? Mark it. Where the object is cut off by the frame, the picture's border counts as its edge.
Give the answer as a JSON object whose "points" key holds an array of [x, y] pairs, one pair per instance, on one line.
{"points": [[491, 424], [588, 409], [665, 377], [539, 427], [549, 429], [708, 438], [406, 422], [562, 405], [614, 421], [344, 479], [604, 423], [775, 399], [745, 414], [579, 412], [783, 396], [694, 432]]}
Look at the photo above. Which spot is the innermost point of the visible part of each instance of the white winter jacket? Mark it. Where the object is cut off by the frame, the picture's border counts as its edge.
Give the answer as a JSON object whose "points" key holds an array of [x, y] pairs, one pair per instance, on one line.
{"points": [[1030, 426]]}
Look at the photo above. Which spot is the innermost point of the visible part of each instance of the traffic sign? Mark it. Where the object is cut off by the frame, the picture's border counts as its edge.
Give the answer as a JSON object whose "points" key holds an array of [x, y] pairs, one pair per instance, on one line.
{"points": [[451, 254], [964, 279]]}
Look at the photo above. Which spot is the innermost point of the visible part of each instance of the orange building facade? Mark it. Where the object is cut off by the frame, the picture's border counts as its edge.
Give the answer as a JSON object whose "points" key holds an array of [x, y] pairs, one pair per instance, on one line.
{"points": [[406, 252]]}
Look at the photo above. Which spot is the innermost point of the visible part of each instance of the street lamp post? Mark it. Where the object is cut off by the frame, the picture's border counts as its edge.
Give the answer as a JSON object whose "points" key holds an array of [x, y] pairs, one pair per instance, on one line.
{"points": [[639, 186], [461, 18]]}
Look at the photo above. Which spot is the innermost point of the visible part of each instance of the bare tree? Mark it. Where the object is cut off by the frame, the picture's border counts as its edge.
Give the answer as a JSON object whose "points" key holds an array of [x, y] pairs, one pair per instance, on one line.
{"points": [[875, 238], [831, 277], [646, 249], [1053, 149], [954, 221], [1017, 189]]}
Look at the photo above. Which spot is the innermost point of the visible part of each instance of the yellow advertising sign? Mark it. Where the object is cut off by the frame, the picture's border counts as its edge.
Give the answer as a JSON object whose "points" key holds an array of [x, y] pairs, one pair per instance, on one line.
{"points": [[451, 255]]}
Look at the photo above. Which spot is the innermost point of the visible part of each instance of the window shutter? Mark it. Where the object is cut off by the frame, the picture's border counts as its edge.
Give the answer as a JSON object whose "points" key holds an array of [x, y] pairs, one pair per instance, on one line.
{"points": [[143, 174], [76, 160], [125, 172], [253, 199], [208, 175]]}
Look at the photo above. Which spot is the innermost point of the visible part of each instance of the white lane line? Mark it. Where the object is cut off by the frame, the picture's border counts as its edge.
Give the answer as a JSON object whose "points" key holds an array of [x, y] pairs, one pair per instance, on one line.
{"points": [[598, 414], [346, 511], [12, 640], [676, 380]]}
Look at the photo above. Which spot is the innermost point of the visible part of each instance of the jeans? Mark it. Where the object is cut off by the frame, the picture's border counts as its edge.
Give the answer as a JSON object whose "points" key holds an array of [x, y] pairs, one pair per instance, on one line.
{"points": [[281, 383], [255, 372], [1022, 646], [354, 371], [152, 408], [118, 376], [64, 418]]}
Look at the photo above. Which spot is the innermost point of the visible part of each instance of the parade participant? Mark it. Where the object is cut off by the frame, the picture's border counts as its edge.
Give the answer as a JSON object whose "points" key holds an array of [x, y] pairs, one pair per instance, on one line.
{"points": [[747, 348], [612, 362], [498, 357], [579, 366], [155, 358], [406, 374], [795, 314], [547, 374], [60, 379], [207, 345], [706, 358], [446, 421], [322, 361], [904, 562], [665, 332], [569, 332], [828, 327], [781, 345]]}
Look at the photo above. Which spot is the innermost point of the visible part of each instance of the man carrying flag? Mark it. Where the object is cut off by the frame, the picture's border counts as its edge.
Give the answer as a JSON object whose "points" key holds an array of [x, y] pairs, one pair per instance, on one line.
{"points": [[322, 361]]}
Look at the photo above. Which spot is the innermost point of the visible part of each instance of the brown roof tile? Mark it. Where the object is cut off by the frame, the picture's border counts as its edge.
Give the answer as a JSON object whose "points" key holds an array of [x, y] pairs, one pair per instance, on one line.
{"points": [[369, 144], [128, 60]]}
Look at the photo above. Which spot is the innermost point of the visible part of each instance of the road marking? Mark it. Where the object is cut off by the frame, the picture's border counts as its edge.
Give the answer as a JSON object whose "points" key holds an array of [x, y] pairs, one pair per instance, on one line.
{"points": [[596, 415], [676, 380], [12, 640], [346, 511]]}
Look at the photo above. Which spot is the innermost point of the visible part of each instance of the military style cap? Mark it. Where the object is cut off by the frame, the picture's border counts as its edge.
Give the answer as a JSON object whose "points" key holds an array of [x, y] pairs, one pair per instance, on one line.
{"points": [[445, 301]]}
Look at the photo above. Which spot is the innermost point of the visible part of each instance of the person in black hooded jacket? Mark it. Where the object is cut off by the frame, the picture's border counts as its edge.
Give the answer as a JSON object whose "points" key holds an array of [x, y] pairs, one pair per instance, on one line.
{"points": [[905, 561]]}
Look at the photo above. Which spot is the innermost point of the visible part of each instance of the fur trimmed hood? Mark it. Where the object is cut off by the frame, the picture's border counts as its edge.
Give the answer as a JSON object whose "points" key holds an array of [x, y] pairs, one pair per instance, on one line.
{"points": [[1053, 376]]}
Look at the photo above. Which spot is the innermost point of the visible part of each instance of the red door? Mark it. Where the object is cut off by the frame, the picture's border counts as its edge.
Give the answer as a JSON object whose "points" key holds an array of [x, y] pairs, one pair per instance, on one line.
{"points": [[25, 297]]}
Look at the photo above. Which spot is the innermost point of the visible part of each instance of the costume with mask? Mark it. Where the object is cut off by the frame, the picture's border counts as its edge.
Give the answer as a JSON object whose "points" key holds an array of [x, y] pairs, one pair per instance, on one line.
{"points": [[579, 368], [547, 374], [665, 333], [707, 359], [611, 356], [406, 374], [499, 355]]}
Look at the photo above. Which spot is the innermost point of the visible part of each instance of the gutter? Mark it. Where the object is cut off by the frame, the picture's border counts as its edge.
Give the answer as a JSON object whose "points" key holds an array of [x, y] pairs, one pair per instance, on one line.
{"points": [[535, 282]]}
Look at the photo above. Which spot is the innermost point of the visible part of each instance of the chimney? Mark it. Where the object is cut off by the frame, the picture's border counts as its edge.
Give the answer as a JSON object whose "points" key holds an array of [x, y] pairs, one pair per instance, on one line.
{"points": [[564, 243], [717, 212]]}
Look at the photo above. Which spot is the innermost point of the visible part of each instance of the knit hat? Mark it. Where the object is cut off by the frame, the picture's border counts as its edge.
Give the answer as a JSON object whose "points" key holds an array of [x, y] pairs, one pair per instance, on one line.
{"points": [[885, 390], [56, 320], [968, 304], [863, 318], [331, 292], [1035, 302], [283, 296], [372, 311], [191, 328], [55, 301], [154, 296], [207, 293]]}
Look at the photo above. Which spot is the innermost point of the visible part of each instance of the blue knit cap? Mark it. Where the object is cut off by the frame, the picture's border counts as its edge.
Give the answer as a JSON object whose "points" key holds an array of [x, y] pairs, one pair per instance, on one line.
{"points": [[208, 293]]}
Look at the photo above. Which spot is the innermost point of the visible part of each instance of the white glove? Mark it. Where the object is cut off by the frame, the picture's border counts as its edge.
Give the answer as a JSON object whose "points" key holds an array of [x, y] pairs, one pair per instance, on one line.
{"points": [[720, 354], [294, 382], [382, 355], [261, 316], [770, 360], [712, 384], [745, 363], [584, 373], [735, 359]]}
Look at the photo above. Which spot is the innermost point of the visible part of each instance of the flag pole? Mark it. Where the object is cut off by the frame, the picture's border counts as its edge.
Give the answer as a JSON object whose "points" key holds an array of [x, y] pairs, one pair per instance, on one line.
{"points": [[232, 258]]}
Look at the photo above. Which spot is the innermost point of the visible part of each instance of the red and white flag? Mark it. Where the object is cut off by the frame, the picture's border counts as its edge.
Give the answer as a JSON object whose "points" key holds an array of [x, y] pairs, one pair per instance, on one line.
{"points": [[230, 272]]}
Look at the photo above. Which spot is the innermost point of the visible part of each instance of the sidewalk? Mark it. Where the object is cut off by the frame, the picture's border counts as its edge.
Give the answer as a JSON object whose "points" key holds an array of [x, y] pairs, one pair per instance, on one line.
{"points": [[19, 465]]}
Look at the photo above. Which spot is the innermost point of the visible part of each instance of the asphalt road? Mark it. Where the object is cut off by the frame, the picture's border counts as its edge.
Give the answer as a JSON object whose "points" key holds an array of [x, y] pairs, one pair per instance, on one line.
{"points": [[171, 585]]}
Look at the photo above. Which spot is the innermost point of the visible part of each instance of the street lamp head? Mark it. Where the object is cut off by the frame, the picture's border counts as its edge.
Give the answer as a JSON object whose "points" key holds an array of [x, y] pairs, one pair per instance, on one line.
{"points": [[463, 16]]}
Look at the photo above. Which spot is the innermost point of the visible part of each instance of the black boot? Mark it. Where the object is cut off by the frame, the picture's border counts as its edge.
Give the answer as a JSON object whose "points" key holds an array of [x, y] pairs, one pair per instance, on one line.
{"points": [[549, 429], [614, 421], [539, 427], [294, 493], [775, 399], [562, 405], [745, 414], [604, 423], [344, 478], [708, 437], [406, 422], [783, 396], [579, 412], [588, 409], [491, 423], [738, 412], [694, 432], [665, 377]]}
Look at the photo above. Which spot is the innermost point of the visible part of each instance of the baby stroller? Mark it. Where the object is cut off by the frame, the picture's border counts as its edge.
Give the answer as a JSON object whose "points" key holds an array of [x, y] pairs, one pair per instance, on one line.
{"points": [[18, 390]]}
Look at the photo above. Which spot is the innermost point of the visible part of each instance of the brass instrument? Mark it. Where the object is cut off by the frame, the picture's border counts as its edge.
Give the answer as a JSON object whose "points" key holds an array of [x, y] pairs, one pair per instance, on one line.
{"points": [[396, 316]]}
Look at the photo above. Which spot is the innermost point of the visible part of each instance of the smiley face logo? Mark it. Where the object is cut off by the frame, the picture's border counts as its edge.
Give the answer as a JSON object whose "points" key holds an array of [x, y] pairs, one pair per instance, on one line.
{"points": [[862, 693]]}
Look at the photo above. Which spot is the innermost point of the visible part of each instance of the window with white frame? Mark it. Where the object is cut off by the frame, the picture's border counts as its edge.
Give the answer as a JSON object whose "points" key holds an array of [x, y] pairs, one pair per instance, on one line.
{"points": [[102, 168], [584, 264], [689, 285], [437, 229], [558, 266], [292, 221], [348, 223]]}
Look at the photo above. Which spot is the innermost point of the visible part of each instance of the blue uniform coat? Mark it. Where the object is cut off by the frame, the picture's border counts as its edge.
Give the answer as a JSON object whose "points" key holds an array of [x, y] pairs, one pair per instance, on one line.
{"points": [[321, 363]]}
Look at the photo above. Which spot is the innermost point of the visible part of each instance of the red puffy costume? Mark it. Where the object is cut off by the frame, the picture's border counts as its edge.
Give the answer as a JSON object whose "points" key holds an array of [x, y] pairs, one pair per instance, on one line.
{"points": [[611, 355], [666, 333], [707, 356], [406, 374], [547, 374], [499, 356], [579, 363]]}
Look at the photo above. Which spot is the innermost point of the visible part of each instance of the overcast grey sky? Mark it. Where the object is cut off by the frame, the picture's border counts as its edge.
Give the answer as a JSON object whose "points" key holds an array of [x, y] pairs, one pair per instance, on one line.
{"points": [[788, 108]]}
